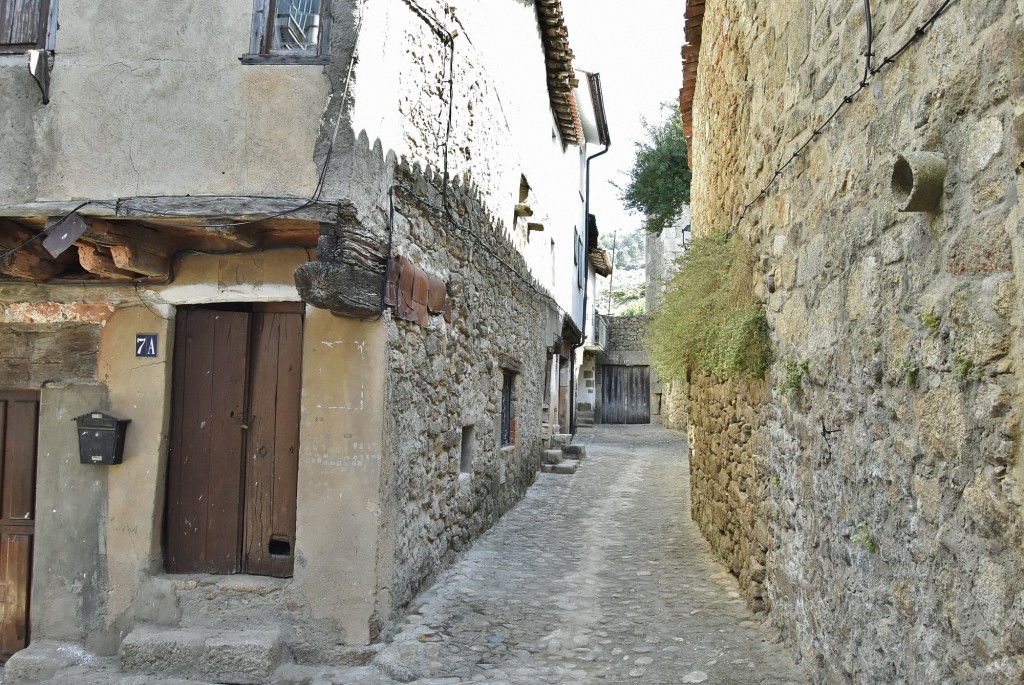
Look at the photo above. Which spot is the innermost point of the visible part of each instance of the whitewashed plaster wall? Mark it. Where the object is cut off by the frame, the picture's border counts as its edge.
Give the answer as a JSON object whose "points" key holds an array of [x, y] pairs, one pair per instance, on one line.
{"points": [[502, 124]]}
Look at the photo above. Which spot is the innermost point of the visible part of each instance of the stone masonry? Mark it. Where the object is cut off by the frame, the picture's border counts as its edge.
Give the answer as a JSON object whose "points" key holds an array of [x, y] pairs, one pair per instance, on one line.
{"points": [[892, 464]]}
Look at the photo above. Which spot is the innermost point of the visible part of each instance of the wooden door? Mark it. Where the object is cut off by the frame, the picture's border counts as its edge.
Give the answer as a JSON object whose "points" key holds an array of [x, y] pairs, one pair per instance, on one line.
{"points": [[204, 470], [233, 465], [272, 450], [626, 394], [19, 427]]}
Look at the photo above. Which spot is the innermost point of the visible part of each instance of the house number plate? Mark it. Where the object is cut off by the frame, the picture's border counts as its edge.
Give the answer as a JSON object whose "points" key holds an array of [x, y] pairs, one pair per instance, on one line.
{"points": [[145, 344]]}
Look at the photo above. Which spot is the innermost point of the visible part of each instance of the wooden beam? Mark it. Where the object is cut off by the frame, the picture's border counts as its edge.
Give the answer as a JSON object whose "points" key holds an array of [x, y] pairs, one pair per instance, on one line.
{"points": [[140, 261], [228, 207], [31, 261], [169, 208], [348, 277], [97, 260], [126, 234]]}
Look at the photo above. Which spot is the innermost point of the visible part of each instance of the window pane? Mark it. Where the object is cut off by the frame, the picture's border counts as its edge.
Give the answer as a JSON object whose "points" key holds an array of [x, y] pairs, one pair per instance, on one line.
{"points": [[295, 26]]}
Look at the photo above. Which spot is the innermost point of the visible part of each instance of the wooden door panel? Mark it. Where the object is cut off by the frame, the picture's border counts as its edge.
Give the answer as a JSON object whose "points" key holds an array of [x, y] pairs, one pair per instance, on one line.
{"points": [[15, 572], [205, 467], [612, 400], [19, 466], [637, 394], [19, 430], [272, 449], [626, 394]]}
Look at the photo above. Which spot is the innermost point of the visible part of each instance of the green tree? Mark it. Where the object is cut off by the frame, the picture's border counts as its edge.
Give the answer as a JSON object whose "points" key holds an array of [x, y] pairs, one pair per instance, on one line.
{"points": [[659, 182]]}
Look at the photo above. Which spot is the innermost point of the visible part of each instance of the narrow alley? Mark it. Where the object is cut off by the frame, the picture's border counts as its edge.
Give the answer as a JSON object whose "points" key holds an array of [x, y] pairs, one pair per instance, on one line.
{"points": [[596, 577]]}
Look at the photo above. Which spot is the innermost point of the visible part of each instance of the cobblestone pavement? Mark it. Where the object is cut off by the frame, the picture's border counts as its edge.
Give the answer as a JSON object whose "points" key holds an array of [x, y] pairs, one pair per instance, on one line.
{"points": [[598, 577]]}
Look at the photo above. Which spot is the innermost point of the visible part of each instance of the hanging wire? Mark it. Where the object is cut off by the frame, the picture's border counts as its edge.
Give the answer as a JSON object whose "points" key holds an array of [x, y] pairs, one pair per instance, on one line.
{"points": [[869, 72]]}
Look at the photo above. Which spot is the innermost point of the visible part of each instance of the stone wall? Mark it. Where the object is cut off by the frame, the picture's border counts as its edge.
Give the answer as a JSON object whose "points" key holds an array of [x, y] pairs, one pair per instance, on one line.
{"points": [[626, 333], [729, 477], [893, 464], [445, 385], [673, 405], [660, 255]]}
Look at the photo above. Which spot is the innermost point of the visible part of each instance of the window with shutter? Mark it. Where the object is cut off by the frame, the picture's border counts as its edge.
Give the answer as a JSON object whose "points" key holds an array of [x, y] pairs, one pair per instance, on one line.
{"points": [[27, 25]]}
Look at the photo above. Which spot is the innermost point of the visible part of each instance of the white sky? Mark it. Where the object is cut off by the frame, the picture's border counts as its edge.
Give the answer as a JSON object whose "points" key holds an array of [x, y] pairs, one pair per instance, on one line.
{"points": [[635, 46]]}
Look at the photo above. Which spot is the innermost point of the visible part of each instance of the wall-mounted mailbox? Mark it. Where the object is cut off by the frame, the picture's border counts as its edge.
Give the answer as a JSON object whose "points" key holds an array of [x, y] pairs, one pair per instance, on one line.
{"points": [[101, 438]]}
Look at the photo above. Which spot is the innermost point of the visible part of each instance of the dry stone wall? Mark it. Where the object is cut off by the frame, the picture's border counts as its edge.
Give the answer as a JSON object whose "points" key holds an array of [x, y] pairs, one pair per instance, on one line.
{"points": [[729, 477], [892, 465]]}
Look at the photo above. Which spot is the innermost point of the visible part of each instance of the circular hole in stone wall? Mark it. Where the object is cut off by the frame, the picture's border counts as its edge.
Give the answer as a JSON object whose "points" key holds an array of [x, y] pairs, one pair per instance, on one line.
{"points": [[902, 179]]}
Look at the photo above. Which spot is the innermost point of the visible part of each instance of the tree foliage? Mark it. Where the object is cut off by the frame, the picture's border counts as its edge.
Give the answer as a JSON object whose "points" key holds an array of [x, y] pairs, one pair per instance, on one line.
{"points": [[659, 182], [710, 319]]}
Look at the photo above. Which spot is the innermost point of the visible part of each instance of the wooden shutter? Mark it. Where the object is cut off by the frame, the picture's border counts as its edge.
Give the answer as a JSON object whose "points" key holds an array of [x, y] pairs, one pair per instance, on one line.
{"points": [[23, 24]]}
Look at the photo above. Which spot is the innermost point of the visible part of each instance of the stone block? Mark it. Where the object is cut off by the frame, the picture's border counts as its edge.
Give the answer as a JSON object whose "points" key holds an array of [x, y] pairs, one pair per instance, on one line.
{"points": [[246, 657], [41, 661], [552, 456], [166, 651], [559, 440], [576, 452], [567, 467]]}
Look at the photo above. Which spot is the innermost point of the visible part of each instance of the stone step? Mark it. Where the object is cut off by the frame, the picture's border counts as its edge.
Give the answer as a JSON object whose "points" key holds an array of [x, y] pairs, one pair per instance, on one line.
{"points": [[576, 452], [552, 456], [559, 440], [567, 467], [240, 657]]}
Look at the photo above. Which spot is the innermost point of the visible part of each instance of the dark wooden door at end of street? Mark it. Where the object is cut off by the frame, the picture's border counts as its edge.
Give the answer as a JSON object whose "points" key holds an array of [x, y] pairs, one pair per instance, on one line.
{"points": [[233, 468], [626, 394], [19, 428]]}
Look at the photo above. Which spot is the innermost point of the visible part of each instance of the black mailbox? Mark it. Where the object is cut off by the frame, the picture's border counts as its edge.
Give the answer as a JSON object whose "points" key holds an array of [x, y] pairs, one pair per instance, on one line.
{"points": [[101, 438]]}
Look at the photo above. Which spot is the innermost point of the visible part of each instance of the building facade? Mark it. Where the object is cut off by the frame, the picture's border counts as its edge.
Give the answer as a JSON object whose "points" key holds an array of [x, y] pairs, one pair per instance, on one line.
{"points": [[869, 493], [285, 240]]}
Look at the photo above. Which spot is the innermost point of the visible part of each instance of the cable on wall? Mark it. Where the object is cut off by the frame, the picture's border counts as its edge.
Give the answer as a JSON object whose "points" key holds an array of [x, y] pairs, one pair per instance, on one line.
{"points": [[869, 72]]}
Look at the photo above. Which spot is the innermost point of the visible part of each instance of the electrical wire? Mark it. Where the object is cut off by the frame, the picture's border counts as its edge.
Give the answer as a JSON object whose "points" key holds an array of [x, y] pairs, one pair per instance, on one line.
{"points": [[871, 39], [869, 72], [45, 232]]}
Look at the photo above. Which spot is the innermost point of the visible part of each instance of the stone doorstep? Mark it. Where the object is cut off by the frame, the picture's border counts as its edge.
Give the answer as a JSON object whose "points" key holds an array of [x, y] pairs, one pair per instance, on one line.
{"points": [[552, 456], [42, 660], [576, 452], [567, 467], [559, 440], [243, 657]]}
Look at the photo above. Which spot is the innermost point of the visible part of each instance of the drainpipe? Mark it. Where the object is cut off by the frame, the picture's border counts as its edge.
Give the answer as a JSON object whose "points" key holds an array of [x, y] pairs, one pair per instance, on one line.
{"points": [[605, 137]]}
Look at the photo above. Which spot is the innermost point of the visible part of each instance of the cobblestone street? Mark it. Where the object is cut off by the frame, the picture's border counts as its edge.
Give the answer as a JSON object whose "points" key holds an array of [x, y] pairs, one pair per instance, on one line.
{"points": [[595, 577]]}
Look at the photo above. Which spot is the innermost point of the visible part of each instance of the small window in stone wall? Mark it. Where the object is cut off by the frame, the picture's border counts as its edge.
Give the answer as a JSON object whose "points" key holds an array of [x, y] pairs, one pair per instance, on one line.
{"points": [[468, 447], [508, 424]]}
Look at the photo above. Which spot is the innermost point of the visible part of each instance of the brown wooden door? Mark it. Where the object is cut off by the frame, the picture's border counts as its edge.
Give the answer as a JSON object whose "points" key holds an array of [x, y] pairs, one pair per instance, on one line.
{"points": [[626, 394], [233, 464], [19, 426], [272, 450]]}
